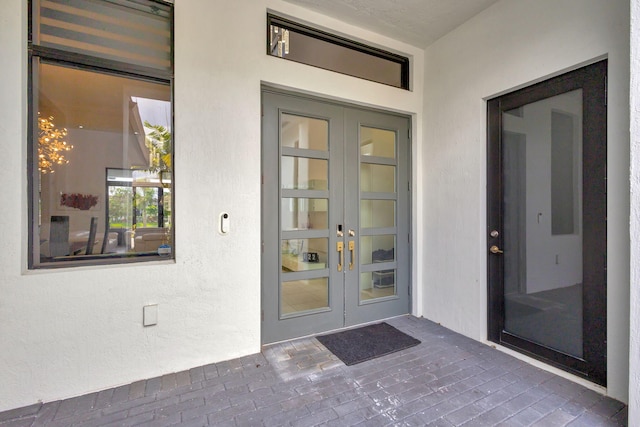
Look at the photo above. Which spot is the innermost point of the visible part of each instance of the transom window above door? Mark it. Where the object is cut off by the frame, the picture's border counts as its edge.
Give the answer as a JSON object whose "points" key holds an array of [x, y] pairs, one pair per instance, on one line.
{"points": [[291, 40]]}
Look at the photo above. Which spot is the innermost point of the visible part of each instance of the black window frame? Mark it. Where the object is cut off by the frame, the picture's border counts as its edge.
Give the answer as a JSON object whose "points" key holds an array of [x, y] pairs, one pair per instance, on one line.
{"points": [[403, 61], [60, 57]]}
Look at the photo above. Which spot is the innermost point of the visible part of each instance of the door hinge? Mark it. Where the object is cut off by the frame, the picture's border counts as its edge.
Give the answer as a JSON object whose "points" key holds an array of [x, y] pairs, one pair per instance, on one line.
{"points": [[262, 179], [606, 90], [261, 110], [262, 315], [262, 246]]}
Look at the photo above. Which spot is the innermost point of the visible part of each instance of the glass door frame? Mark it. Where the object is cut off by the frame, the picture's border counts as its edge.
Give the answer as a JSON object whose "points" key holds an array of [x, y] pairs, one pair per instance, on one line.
{"points": [[276, 324], [357, 309], [592, 80], [344, 209]]}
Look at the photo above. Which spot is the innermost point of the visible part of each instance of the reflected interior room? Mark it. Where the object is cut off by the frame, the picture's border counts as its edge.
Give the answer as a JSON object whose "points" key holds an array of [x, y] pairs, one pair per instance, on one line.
{"points": [[104, 165], [543, 209]]}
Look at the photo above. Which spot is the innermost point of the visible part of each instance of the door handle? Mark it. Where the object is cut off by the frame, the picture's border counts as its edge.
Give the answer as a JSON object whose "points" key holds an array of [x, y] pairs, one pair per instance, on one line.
{"points": [[495, 250], [340, 248], [352, 246]]}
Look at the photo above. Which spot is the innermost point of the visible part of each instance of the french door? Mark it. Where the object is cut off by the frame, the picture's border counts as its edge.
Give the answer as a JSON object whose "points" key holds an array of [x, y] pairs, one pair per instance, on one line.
{"points": [[546, 223], [335, 216]]}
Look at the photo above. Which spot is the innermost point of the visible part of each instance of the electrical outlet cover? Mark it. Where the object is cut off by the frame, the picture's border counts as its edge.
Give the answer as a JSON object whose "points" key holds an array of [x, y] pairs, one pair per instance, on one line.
{"points": [[150, 315]]}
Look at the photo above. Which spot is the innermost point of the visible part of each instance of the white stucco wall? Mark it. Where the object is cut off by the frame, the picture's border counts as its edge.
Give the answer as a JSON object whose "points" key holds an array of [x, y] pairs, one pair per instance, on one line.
{"points": [[634, 353], [67, 332], [510, 45]]}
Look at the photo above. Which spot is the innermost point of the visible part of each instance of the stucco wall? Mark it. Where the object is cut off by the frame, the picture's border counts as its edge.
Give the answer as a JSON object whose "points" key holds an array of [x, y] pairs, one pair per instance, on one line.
{"points": [[72, 331], [510, 45], [634, 353]]}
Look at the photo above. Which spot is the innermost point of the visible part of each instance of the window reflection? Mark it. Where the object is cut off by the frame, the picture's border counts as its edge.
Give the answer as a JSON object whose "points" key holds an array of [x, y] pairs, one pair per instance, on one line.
{"points": [[304, 254], [304, 132], [304, 295], [377, 284], [377, 248], [301, 173], [304, 214], [377, 213], [377, 142], [377, 178], [117, 173]]}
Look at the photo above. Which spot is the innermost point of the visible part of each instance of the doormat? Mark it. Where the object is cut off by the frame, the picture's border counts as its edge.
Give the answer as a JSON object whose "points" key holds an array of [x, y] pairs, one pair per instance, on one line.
{"points": [[366, 343]]}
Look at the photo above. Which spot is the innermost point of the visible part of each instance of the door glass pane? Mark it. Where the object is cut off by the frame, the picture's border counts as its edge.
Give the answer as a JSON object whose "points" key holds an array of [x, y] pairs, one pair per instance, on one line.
{"points": [[304, 132], [301, 173], [541, 154], [120, 206], [304, 254], [304, 295], [146, 202], [377, 213], [303, 214], [377, 178], [377, 284], [377, 142], [377, 249], [167, 207]]}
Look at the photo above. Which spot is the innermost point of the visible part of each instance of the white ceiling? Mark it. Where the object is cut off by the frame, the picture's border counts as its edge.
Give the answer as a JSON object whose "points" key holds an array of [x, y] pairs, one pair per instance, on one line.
{"points": [[417, 22]]}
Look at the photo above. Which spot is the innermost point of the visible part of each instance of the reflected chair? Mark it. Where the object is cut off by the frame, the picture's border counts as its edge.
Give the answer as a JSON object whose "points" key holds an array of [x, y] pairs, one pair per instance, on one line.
{"points": [[93, 227], [105, 240], [109, 241], [59, 236]]}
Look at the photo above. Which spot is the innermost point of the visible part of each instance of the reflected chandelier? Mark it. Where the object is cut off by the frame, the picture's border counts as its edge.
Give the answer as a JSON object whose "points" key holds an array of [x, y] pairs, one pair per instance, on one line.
{"points": [[51, 145]]}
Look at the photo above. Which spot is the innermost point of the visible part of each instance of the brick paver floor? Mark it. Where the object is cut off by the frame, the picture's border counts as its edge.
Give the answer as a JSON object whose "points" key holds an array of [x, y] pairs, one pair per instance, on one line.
{"points": [[448, 380]]}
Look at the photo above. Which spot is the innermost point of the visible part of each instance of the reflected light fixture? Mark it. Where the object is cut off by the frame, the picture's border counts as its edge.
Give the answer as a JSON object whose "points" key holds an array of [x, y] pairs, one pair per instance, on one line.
{"points": [[279, 41], [51, 145]]}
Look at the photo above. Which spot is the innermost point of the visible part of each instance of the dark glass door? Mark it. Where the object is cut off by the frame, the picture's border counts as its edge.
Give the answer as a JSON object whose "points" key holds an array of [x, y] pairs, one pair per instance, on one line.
{"points": [[546, 233]]}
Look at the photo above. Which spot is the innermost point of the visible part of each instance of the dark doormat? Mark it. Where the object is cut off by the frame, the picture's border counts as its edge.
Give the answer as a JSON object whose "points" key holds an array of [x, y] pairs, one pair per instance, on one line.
{"points": [[366, 343]]}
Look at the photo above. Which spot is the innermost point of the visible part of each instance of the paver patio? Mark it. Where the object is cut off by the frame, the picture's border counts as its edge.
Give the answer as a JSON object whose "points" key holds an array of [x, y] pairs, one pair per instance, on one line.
{"points": [[447, 380]]}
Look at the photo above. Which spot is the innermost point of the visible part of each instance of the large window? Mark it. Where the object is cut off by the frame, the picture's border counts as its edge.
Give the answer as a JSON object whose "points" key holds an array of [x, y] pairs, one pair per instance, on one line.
{"points": [[101, 121]]}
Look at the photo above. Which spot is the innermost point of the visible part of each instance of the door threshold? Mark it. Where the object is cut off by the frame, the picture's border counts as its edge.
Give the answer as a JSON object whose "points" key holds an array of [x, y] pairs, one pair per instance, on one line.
{"points": [[551, 369], [331, 331]]}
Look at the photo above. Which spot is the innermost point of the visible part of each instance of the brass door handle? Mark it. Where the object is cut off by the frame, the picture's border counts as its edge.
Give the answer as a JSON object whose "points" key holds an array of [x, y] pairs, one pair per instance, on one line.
{"points": [[340, 248], [495, 250], [352, 246]]}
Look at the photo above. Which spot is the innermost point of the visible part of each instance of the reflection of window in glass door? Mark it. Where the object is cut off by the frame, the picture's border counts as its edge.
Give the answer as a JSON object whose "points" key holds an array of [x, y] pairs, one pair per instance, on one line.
{"points": [[137, 200]]}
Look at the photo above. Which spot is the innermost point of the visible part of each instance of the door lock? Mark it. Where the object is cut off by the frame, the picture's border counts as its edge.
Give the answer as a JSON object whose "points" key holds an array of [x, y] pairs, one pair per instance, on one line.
{"points": [[494, 233], [495, 250]]}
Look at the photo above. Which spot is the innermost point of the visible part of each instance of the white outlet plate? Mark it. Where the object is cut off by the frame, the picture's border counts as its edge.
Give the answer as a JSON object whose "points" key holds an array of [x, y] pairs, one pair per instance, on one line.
{"points": [[150, 315]]}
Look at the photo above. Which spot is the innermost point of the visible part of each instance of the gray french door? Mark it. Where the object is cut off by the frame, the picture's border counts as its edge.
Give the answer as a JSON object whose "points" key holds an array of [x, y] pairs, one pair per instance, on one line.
{"points": [[546, 221], [335, 216]]}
